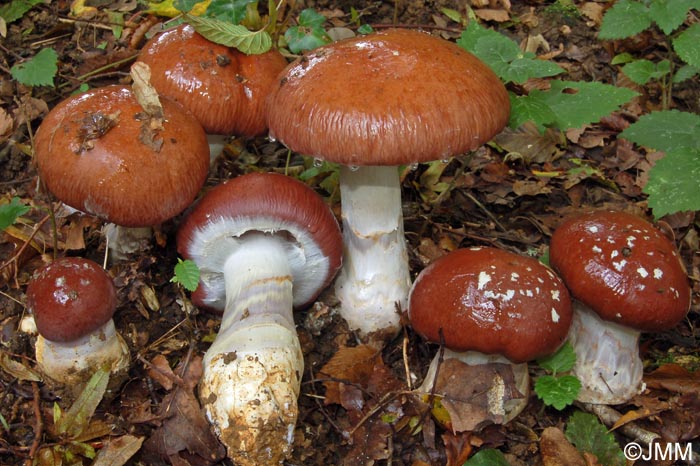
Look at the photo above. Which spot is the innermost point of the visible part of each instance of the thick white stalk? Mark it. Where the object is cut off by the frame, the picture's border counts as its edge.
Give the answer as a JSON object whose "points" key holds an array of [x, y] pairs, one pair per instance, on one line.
{"points": [[375, 276], [122, 241], [607, 358], [252, 371]]}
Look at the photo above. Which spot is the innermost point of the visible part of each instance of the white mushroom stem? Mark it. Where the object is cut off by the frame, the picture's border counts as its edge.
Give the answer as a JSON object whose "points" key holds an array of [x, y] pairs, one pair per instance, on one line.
{"points": [[607, 358], [122, 241], [375, 276], [253, 369], [216, 146], [498, 406], [71, 364]]}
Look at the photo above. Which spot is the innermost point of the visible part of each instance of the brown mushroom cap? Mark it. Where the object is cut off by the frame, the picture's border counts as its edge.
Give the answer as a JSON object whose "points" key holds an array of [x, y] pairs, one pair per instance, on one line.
{"points": [[261, 202], [223, 87], [71, 298], [389, 98], [623, 268], [90, 156], [491, 301]]}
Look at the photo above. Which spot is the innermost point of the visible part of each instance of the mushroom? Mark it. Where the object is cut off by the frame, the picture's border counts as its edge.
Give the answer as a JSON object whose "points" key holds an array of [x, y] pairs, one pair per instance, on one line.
{"points": [[489, 307], [265, 244], [224, 88], [100, 152], [626, 278], [73, 301], [372, 103]]}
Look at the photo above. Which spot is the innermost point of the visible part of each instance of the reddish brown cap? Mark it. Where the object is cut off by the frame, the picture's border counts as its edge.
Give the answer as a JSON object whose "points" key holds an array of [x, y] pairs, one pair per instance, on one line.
{"points": [[71, 298], [224, 88], [389, 98], [623, 268], [265, 202], [491, 301], [92, 156]]}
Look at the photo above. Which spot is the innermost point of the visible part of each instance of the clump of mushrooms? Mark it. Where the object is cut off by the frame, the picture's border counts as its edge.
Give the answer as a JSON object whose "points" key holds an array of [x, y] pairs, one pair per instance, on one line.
{"points": [[626, 278], [265, 244], [73, 301], [493, 308], [372, 103]]}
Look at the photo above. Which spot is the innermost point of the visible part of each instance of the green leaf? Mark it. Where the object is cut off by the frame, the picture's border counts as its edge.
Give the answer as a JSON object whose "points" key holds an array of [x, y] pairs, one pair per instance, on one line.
{"points": [[310, 18], [77, 418], [558, 392], [230, 11], [673, 183], [473, 33], [561, 361], [300, 39], [186, 274], [231, 35], [37, 71], [487, 457], [625, 18], [16, 9], [589, 435], [365, 29], [686, 45], [530, 108], [670, 14], [9, 213], [622, 58], [642, 71], [665, 130], [685, 72]]}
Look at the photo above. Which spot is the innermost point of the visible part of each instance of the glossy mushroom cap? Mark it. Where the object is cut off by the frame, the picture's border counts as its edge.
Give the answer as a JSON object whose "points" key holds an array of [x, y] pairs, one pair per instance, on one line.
{"points": [[623, 268], [224, 88], [268, 203], [389, 98], [94, 155], [491, 301], [71, 298]]}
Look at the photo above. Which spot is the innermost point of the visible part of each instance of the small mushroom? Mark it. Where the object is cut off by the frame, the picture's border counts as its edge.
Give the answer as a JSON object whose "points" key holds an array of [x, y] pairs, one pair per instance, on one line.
{"points": [[372, 103], [489, 306], [73, 301], [265, 244], [626, 278]]}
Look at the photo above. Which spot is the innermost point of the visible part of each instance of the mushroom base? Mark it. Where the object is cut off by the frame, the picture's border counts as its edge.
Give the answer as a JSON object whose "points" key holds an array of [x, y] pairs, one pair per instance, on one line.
{"points": [[122, 241], [607, 358], [496, 390]]}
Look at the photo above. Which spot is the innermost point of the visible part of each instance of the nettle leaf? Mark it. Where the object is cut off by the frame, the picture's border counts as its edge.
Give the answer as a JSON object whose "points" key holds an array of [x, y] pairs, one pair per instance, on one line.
{"points": [[673, 183], [231, 35], [561, 361], [487, 457], [530, 108], [670, 14], [37, 71], [186, 274], [9, 213], [686, 45], [558, 392], [232, 11], [665, 130], [625, 18], [589, 435], [685, 72], [642, 71]]}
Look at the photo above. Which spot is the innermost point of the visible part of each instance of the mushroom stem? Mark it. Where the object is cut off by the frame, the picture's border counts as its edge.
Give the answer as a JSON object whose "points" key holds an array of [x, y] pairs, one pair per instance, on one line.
{"points": [[607, 358], [374, 277], [122, 241], [252, 371]]}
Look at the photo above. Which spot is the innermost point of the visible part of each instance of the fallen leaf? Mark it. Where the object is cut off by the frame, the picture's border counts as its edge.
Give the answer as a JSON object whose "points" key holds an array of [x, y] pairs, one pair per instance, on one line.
{"points": [[349, 365], [556, 450], [489, 14], [118, 451], [160, 371], [674, 378], [457, 447]]}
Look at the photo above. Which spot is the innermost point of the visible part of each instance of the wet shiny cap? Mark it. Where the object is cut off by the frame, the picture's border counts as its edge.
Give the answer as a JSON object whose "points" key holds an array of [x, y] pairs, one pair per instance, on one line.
{"points": [[491, 301], [389, 98], [623, 268], [71, 298]]}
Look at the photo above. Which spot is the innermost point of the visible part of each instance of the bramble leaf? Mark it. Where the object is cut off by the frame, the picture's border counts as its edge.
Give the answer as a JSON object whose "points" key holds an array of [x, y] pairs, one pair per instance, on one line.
{"points": [[231, 35], [589, 435], [686, 45], [557, 391], [625, 18], [186, 274], [9, 213], [38, 70], [673, 183]]}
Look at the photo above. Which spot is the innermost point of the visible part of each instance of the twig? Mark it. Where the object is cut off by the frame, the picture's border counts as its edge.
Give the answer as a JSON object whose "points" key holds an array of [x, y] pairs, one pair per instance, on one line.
{"points": [[38, 426]]}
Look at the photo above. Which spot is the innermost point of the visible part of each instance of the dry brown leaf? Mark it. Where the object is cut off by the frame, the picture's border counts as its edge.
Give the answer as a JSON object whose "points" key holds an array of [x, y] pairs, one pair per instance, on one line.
{"points": [[631, 416], [118, 451], [161, 372], [674, 378], [528, 143], [457, 447], [531, 188], [489, 14], [556, 450], [593, 11], [353, 365], [5, 125]]}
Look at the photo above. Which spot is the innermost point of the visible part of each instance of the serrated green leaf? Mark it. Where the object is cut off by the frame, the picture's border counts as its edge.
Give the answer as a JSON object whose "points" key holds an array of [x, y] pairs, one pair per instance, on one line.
{"points": [[77, 418], [561, 361], [685, 72], [673, 183], [16, 9], [665, 130], [37, 71], [231, 11], [589, 435], [487, 457], [231, 35], [300, 39], [474, 34], [625, 18], [186, 274], [686, 45], [523, 68], [9, 213], [642, 71], [530, 108], [622, 58], [558, 392], [311, 18], [670, 14]]}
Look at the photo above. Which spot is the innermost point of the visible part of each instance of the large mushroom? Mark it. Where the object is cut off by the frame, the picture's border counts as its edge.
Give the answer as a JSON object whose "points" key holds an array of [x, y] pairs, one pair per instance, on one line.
{"points": [[224, 88], [265, 244], [372, 103], [626, 278], [102, 153], [494, 309], [73, 301]]}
